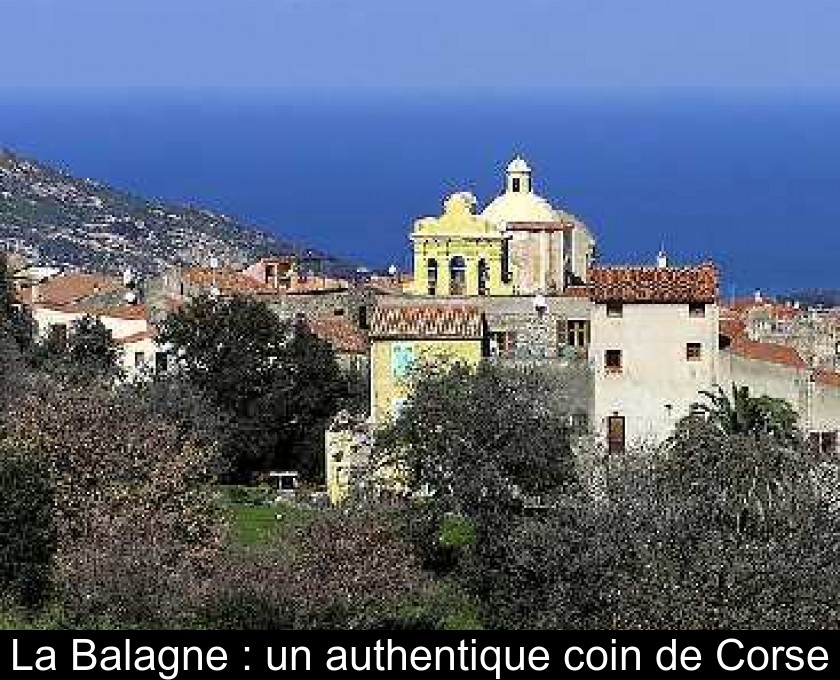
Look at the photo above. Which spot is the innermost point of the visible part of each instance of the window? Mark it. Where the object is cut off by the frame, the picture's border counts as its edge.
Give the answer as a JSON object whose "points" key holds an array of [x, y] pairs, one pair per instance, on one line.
{"points": [[693, 351], [432, 276], [483, 277], [402, 357], [338, 311], [612, 361], [362, 317], [161, 362], [516, 184], [139, 359], [397, 406], [270, 274], [577, 333], [502, 343], [579, 423], [506, 275], [457, 276], [823, 442], [696, 309], [58, 334], [615, 309]]}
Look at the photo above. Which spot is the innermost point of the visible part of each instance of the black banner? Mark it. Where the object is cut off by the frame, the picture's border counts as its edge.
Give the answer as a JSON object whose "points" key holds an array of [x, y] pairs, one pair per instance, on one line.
{"points": [[176, 654]]}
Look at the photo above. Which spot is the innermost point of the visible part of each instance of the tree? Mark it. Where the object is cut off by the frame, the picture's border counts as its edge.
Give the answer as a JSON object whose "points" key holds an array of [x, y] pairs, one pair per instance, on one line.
{"points": [[486, 455], [14, 319], [27, 532], [136, 518], [744, 414], [87, 352], [480, 438], [276, 380]]}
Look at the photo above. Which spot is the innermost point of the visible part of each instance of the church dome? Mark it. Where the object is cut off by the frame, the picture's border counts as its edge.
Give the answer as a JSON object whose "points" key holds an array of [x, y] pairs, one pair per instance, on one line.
{"points": [[519, 207], [518, 164], [519, 203]]}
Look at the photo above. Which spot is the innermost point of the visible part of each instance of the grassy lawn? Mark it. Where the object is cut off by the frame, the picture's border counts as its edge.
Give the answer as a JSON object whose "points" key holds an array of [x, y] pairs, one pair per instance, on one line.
{"points": [[254, 522]]}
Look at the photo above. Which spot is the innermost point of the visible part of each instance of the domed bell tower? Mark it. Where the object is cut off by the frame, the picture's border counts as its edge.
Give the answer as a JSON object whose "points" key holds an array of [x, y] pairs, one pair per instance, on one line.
{"points": [[518, 177]]}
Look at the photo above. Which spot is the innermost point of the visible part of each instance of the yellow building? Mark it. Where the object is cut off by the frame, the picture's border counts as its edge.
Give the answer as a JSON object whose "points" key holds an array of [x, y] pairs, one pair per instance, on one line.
{"points": [[403, 337], [459, 253]]}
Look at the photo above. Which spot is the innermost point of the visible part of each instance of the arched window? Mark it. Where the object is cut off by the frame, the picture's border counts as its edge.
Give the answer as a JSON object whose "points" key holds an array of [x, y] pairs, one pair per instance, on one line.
{"points": [[432, 276], [483, 277], [457, 276]]}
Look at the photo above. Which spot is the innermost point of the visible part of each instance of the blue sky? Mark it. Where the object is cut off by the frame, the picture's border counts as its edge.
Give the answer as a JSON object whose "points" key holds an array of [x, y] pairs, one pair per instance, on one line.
{"points": [[435, 44]]}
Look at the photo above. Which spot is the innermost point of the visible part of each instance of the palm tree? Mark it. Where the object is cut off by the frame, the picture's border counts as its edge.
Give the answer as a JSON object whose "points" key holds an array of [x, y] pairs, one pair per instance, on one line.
{"points": [[742, 454], [741, 413]]}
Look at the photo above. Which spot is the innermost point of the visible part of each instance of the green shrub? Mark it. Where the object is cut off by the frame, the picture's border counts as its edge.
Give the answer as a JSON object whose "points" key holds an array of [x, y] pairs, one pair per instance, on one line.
{"points": [[27, 537]]}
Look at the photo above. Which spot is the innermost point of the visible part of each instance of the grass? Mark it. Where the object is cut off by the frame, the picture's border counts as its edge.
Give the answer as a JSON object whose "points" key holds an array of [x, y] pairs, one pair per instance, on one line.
{"points": [[254, 520]]}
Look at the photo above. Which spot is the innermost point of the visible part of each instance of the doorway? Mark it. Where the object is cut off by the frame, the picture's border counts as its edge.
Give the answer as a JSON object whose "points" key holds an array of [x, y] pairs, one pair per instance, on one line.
{"points": [[615, 434]]}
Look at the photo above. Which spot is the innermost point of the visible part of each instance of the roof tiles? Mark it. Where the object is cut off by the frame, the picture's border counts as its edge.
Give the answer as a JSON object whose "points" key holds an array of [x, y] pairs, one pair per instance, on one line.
{"points": [[655, 284], [427, 321]]}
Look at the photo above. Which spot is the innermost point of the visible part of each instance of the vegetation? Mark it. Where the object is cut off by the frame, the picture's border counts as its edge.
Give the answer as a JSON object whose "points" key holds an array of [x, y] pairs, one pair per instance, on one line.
{"points": [[84, 353], [111, 511], [277, 382]]}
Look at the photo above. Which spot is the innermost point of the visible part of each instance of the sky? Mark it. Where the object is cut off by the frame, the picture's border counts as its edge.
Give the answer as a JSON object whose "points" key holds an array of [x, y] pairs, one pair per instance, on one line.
{"points": [[428, 44]]}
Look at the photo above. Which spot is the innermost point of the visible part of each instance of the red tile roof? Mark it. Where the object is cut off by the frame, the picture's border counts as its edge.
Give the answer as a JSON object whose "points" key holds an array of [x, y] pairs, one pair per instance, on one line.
{"points": [[828, 378], [136, 337], [766, 351], [655, 284], [344, 336], [427, 321], [127, 312], [71, 288], [578, 291], [776, 310], [228, 281], [732, 328]]}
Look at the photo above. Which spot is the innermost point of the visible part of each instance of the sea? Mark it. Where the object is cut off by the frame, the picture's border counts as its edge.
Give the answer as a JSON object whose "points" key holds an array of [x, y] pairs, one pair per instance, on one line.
{"points": [[748, 180]]}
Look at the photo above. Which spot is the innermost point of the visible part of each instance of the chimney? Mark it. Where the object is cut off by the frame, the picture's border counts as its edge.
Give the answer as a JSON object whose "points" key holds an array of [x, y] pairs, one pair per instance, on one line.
{"points": [[661, 260], [758, 297]]}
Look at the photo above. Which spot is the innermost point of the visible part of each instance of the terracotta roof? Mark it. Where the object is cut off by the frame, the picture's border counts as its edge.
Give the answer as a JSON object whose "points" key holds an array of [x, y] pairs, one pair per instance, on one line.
{"points": [[128, 312], [578, 291], [655, 284], [344, 336], [732, 328], [427, 321], [829, 378], [744, 306], [226, 280], [136, 337], [540, 226], [766, 351], [71, 288], [315, 284]]}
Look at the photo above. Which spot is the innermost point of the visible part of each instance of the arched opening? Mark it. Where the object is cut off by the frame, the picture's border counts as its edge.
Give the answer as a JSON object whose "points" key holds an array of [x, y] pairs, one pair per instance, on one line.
{"points": [[457, 276], [432, 276], [483, 277]]}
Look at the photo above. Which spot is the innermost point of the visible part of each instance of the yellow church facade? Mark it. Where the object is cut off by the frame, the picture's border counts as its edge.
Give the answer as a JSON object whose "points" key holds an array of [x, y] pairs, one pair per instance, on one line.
{"points": [[459, 253]]}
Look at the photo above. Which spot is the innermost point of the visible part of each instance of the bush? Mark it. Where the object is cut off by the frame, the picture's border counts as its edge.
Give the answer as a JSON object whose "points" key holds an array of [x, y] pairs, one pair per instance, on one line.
{"points": [[135, 516], [27, 536]]}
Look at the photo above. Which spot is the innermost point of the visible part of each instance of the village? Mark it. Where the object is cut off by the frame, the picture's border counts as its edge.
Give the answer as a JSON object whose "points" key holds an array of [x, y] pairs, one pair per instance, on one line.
{"points": [[516, 282]]}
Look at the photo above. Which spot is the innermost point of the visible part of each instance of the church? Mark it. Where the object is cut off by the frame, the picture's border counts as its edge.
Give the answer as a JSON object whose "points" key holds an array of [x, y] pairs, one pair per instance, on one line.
{"points": [[630, 347], [632, 336]]}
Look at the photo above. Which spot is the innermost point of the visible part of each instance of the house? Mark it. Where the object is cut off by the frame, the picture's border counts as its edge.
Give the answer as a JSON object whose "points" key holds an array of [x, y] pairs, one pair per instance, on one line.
{"points": [[405, 338]]}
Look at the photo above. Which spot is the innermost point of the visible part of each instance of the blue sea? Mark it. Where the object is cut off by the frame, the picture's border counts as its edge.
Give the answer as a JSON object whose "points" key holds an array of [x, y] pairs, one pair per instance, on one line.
{"points": [[751, 181]]}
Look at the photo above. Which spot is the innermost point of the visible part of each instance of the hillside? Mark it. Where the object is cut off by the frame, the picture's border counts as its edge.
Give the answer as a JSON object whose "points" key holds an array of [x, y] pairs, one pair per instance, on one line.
{"points": [[76, 222]]}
